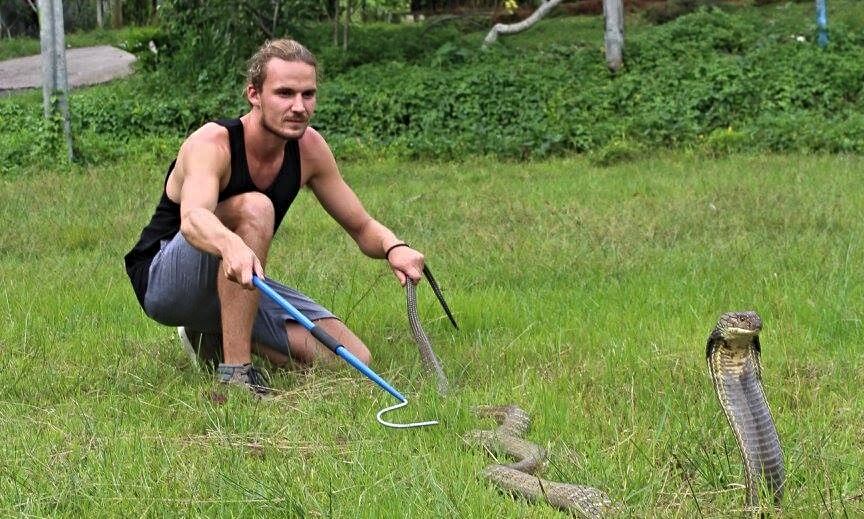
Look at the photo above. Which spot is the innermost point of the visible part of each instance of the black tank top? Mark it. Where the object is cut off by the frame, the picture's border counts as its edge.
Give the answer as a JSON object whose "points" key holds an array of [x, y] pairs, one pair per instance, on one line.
{"points": [[165, 222]]}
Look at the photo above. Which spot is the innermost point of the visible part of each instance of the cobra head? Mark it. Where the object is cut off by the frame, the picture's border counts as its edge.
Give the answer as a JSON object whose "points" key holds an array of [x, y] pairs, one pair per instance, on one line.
{"points": [[737, 325], [735, 328]]}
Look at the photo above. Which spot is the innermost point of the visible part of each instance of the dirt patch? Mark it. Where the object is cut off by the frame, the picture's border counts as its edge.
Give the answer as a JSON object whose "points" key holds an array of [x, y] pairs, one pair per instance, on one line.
{"points": [[85, 66]]}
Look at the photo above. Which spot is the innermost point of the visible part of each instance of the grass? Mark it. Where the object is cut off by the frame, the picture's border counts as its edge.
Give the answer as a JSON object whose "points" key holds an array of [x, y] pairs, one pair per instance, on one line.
{"points": [[584, 294]]}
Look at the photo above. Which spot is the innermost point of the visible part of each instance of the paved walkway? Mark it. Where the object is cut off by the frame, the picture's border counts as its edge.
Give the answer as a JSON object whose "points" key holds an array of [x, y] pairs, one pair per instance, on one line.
{"points": [[85, 66]]}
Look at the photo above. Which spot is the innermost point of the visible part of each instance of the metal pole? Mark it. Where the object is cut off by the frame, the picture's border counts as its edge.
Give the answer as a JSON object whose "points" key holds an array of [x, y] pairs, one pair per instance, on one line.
{"points": [[613, 13], [325, 338], [46, 39], [100, 14], [822, 22], [54, 78]]}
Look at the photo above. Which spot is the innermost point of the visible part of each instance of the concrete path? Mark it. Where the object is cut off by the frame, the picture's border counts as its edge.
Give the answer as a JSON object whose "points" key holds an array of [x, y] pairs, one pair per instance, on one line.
{"points": [[85, 66]]}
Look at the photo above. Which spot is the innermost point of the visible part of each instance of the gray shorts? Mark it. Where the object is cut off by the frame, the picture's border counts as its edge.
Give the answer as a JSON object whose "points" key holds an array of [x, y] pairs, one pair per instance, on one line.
{"points": [[181, 291]]}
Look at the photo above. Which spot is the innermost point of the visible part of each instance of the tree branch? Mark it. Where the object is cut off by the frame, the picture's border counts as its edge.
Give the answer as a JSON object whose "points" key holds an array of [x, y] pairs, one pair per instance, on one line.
{"points": [[513, 28]]}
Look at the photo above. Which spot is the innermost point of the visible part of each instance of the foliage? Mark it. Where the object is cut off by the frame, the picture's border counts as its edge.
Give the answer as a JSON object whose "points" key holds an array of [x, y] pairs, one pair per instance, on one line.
{"points": [[219, 37], [18, 47], [614, 152], [707, 71], [663, 12], [408, 43], [20, 18], [28, 138], [722, 141], [430, 93]]}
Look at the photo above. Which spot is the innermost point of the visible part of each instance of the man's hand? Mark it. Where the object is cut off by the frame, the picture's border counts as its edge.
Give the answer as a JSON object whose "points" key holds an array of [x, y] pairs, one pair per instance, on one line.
{"points": [[406, 263], [239, 262]]}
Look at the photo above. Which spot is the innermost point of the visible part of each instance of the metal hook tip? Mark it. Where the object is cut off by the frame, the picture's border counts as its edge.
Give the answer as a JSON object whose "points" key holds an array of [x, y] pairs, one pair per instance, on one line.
{"points": [[410, 425]]}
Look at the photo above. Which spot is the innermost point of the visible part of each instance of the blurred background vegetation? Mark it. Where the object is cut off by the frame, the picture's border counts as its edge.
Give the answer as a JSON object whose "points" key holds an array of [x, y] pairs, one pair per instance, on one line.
{"points": [[408, 79]]}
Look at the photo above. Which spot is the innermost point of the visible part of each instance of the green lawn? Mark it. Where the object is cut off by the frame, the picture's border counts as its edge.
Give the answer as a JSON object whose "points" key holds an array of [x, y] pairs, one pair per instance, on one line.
{"points": [[585, 295]]}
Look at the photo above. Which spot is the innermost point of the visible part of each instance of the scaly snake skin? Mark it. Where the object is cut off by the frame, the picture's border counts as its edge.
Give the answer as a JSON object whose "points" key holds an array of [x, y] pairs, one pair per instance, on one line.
{"points": [[513, 423], [427, 356], [518, 477], [733, 354]]}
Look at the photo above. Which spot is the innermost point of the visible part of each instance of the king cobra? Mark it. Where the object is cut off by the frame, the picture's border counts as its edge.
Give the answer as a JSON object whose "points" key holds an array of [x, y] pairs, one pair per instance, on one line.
{"points": [[733, 354]]}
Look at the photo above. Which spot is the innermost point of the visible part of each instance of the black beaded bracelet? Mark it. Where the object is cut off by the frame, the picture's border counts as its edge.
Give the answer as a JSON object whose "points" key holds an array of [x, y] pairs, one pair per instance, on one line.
{"points": [[387, 254]]}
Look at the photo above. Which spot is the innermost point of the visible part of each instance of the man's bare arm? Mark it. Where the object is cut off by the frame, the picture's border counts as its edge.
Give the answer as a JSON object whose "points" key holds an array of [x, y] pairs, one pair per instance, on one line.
{"points": [[202, 163], [340, 201]]}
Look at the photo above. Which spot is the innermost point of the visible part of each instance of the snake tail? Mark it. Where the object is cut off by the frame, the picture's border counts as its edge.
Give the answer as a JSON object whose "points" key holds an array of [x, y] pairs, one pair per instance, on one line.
{"points": [[427, 354], [580, 500], [518, 478]]}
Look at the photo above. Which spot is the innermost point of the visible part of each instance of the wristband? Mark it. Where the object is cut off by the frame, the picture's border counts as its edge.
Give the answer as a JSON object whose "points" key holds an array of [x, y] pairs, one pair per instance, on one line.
{"points": [[387, 254]]}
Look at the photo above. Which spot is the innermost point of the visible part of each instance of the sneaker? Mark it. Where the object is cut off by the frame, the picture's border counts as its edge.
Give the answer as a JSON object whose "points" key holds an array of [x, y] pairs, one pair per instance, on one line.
{"points": [[244, 375], [204, 349]]}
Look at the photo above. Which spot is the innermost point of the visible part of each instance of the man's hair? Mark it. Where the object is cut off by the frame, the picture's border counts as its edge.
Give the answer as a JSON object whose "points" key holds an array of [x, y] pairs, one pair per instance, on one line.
{"points": [[284, 49]]}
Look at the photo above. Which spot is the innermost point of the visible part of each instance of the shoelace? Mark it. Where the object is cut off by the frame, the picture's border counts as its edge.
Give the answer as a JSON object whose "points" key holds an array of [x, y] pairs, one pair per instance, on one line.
{"points": [[258, 378]]}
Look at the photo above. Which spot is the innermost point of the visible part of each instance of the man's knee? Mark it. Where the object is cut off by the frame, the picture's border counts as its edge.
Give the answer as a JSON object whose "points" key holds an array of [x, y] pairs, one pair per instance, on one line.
{"points": [[307, 350], [362, 353], [250, 211], [346, 337]]}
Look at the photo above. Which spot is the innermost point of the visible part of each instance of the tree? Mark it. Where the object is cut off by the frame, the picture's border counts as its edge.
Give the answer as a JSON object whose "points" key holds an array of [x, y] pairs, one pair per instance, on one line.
{"points": [[55, 83], [613, 12], [116, 7], [513, 28]]}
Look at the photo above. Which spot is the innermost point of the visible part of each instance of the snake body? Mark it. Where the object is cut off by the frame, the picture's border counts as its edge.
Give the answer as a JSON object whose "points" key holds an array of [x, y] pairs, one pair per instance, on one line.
{"points": [[733, 353], [427, 355], [519, 477], [513, 422]]}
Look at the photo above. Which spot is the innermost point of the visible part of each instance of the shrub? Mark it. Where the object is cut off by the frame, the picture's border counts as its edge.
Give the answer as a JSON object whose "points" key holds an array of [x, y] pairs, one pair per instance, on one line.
{"points": [[686, 83], [722, 141], [616, 152]]}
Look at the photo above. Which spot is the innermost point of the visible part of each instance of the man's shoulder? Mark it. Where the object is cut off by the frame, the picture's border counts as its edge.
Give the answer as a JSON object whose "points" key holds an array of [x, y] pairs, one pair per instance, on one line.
{"points": [[315, 156], [314, 150], [207, 148], [211, 132], [210, 138], [312, 139]]}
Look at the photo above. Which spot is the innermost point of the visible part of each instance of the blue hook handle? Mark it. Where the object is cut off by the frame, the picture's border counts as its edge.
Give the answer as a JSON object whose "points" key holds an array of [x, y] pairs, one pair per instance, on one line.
{"points": [[325, 338]]}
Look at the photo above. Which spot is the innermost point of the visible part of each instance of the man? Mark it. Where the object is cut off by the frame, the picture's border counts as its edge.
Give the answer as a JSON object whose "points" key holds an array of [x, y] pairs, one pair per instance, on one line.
{"points": [[224, 197]]}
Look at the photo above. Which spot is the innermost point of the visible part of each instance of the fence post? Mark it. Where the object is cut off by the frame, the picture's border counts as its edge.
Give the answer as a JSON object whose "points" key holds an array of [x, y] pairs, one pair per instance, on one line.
{"points": [[822, 22], [55, 82], [613, 13]]}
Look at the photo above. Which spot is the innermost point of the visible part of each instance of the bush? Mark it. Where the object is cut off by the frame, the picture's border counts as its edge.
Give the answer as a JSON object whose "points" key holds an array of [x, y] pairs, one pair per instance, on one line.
{"points": [[616, 152], [670, 10], [27, 139], [722, 141], [686, 83]]}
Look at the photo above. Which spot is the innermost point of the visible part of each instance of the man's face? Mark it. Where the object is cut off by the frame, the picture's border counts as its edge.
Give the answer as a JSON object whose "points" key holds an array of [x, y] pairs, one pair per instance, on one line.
{"points": [[287, 97]]}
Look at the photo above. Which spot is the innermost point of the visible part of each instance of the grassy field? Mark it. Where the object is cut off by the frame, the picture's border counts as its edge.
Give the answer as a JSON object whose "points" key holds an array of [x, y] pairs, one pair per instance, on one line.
{"points": [[585, 295]]}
